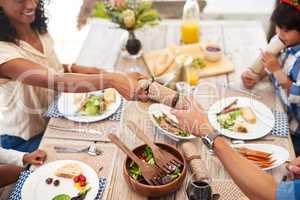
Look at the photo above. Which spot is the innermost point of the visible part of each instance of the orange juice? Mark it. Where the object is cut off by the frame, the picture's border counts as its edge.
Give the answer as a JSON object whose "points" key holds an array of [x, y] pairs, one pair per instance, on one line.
{"points": [[189, 32], [192, 76]]}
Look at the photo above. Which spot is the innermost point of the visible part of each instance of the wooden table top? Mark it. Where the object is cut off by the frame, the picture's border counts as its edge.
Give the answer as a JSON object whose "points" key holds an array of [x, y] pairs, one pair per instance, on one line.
{"points": [[240, 40]]}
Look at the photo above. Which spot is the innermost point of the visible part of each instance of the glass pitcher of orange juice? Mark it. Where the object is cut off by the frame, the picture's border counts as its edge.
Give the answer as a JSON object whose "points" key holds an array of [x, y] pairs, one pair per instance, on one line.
{"points": [[190, 30]]}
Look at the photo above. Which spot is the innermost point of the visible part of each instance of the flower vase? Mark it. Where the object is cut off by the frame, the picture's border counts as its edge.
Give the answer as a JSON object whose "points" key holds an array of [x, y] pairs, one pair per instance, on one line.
{"points": [[131, 45]]}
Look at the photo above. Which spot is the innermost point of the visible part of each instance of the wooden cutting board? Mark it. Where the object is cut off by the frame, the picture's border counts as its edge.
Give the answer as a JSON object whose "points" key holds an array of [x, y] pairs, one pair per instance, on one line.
{"points": [[223, 66]]}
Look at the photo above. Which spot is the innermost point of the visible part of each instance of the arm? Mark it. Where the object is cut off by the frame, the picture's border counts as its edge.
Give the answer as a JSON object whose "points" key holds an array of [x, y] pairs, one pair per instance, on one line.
{"points": [[9, 174], [255, 183], [11, 157], [283, 80], [74, 68], [33, 74]]}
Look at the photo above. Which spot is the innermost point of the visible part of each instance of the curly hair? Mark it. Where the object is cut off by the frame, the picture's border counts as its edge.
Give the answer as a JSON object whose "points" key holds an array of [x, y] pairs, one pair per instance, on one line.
{"points": [[8, 33]]}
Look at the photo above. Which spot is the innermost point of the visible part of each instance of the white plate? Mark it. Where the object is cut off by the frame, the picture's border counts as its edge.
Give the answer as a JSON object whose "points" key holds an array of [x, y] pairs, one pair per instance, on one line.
{"points": [[158, 108], [66, 106], [279, 154], [35, 187], [264, 118]]}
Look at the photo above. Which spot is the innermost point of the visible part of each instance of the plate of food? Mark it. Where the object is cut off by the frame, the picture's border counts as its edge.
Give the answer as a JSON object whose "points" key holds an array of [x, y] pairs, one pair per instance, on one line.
{"points": [[61, 180], [265, 156], [89, 107], [241, 118], [167, 123]]}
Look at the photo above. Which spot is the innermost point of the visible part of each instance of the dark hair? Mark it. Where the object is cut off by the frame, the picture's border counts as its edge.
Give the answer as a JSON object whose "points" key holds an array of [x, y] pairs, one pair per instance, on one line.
{"points": [[286, 17], [9, 34]]}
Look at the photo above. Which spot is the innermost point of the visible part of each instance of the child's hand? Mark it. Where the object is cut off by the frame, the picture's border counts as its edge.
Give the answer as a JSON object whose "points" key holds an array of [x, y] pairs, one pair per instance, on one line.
{"points": [[270, 62], [294, 167], [249, 79], [36, 158]]}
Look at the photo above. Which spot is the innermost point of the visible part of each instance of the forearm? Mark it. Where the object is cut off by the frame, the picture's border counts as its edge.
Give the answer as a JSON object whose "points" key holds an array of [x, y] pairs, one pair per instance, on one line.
{"points": [[283, 79], [82, 70], [75, 83], [255, 183], [9, 174]]}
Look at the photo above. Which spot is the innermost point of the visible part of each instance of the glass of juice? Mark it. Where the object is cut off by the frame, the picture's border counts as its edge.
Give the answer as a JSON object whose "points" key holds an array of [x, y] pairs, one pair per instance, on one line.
{"points": [[190, 32], [192, 76]]}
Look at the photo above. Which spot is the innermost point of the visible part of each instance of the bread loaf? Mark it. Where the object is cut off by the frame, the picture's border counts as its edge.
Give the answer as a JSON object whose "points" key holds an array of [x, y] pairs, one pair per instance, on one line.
{"points": [[248, 115], [69, 170]]}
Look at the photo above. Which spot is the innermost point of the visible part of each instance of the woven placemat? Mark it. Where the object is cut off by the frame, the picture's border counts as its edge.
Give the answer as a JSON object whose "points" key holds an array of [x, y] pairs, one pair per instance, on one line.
{"points": [[228, 190]]}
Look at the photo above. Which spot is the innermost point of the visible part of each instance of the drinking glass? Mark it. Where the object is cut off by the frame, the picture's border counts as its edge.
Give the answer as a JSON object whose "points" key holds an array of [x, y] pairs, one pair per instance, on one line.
{"points": [[198, 187]]}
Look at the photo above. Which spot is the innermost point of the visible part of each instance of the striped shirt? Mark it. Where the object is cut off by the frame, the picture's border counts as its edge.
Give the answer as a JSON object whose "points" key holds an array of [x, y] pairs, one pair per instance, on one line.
{"points": [[290, 62]]}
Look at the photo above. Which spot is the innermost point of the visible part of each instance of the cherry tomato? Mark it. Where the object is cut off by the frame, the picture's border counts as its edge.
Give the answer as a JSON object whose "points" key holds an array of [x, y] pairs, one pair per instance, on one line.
{"points": [[76, 179], [82, 183], [82, 178]]}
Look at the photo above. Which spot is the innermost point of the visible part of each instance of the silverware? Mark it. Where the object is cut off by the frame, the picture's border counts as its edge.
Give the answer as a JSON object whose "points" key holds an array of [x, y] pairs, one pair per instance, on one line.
{"points": [[60, 149], [99, 170], [93, 150], [80, 139], [79, 130], [244, 91]]}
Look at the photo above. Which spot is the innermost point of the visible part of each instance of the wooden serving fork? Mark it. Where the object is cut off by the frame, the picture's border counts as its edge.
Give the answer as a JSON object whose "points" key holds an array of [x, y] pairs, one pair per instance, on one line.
{"points": [[151, 173], [165, 160]]}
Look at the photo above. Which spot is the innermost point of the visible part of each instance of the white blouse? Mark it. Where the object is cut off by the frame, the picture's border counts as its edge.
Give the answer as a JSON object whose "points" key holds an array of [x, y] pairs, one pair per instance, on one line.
{"points": [[22, 106]]}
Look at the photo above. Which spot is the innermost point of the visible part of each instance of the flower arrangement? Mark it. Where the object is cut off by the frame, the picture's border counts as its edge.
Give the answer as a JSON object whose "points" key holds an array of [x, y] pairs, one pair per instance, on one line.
{"points": [[128, 15]]}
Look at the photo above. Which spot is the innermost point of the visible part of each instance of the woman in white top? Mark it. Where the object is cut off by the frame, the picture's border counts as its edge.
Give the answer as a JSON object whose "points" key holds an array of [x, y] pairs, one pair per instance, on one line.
{"points": [[30, 73]]}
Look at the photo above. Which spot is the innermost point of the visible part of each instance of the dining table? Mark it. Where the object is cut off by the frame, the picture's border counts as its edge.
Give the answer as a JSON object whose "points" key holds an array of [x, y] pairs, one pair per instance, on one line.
{"points": [[241, 42]]}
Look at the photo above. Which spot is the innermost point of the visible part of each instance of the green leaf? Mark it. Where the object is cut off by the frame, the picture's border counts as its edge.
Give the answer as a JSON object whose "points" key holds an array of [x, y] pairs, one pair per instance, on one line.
{"points": [[148, 16], [144, 6], [62, 197], [100, 11]]}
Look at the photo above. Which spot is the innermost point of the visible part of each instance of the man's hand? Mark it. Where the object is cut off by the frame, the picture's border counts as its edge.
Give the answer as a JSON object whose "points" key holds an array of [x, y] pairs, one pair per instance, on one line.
{"points": [[249, 79], [294, 167], [194, 119], [270, 62], [36, 158], [128, 85]]}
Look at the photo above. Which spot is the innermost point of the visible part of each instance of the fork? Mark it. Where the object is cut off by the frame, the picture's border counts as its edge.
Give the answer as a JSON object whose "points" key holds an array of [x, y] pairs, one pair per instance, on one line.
{"points": [[151, 173], [165, 160]]}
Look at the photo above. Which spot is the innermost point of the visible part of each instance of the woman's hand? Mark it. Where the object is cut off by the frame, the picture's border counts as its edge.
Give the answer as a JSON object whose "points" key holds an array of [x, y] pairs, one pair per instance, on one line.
{"points": [[270, 62], [36, 158], [128, 86], [294, 167], [194, 119], [249, 79]]}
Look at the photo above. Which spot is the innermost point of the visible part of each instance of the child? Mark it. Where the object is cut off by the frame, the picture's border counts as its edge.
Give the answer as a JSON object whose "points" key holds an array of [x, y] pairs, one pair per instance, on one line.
{"points": [[284, 71]]}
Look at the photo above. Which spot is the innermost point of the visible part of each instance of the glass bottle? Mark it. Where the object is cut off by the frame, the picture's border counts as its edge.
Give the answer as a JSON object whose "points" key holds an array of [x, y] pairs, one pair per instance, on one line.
{"points": [[190, 30]]}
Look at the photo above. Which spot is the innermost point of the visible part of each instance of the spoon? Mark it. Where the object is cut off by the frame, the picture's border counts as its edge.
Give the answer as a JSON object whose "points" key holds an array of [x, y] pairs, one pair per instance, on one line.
{"points": [[93, 151]]}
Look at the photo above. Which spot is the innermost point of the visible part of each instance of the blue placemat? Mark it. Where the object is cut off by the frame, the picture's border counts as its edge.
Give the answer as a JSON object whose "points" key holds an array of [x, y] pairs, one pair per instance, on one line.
{"points": [[53, 111], [281, 128], [16, 193]]}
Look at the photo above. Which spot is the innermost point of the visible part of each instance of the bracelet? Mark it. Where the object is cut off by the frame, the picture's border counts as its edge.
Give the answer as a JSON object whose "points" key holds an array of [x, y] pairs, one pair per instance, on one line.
{"points": [[69, 68], [145, 84], [175, 100]]}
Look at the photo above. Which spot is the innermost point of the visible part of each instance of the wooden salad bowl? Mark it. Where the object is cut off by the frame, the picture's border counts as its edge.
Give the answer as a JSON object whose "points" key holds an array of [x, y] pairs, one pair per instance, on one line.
{"points": [[158, 190]]}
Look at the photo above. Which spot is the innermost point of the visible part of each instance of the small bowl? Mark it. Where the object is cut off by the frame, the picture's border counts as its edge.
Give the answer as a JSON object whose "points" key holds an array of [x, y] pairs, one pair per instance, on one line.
{"points": [[150, 190], [213, 52]]}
